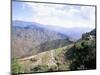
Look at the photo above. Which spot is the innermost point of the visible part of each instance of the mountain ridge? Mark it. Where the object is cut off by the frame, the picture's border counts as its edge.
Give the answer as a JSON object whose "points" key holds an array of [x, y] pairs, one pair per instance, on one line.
{"points": [[73, 32], [26, 38], [76, 56]]}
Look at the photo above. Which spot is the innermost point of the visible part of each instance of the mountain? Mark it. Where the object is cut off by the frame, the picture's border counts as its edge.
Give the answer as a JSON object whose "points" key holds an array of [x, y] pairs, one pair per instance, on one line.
{"points": [[53, 53], [80, 55], [89, 34], [31, 38], [83, 53], [23, 23], [74, 33]]}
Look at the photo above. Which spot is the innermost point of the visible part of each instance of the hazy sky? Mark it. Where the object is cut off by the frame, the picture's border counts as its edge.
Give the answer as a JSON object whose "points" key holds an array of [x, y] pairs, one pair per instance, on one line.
{"points": [[54, 14]]}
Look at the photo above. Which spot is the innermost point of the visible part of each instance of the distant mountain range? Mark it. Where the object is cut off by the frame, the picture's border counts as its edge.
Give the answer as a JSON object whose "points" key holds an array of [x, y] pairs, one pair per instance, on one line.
{"points": [[73, 33], [80, 55], [31, 38]]}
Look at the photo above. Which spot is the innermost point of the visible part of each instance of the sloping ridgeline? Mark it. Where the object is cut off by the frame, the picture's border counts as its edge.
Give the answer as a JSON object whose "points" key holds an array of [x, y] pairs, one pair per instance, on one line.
{"points": [[76, 56], [83, 53], [31, 38]]}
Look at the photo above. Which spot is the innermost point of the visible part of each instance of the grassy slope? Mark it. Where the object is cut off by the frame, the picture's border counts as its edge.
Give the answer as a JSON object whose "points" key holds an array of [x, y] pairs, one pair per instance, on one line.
{"points": [[69, 57], [52, 60], [58, 59]]}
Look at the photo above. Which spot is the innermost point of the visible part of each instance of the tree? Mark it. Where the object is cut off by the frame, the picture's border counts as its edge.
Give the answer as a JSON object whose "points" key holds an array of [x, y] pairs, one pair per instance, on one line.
{"points": [[84, 56]]}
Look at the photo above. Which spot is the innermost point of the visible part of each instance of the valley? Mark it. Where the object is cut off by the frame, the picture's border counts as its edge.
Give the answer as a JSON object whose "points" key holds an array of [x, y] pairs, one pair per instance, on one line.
{"points": [[36, 48]]}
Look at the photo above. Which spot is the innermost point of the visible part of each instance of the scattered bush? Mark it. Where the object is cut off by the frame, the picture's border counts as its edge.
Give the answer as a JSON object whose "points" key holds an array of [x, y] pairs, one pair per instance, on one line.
{"points": [[84, 55], [33, 59], [40, 68], [15, 66]]}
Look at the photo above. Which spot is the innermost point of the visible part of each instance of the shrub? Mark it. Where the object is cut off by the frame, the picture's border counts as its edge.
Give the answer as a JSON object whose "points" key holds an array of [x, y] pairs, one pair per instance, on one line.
{"points": [[84, 55], [53, 68], [15, 66], [40, 68], [33, 59]]}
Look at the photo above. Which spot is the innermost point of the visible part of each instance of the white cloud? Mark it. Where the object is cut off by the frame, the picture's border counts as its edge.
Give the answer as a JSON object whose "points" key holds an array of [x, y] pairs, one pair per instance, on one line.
{"points": [[63, 15]]}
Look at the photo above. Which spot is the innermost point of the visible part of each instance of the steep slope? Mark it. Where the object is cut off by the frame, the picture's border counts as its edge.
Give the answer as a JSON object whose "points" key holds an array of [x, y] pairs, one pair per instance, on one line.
{"points": [[83, 53], [74, 33], [90, 34], [52, 60], [31, 38], [76, 56]]}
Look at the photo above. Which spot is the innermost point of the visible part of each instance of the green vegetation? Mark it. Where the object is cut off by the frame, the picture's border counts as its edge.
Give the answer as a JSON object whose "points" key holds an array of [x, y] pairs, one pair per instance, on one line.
{"points": [[84, 55], [60, 50], [15, 66], [53, 68], [40, 68], [58, 55]]}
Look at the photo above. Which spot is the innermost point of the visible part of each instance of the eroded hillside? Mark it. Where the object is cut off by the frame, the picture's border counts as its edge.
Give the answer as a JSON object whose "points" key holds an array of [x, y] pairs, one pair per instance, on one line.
{"points": [[76, 56]]}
